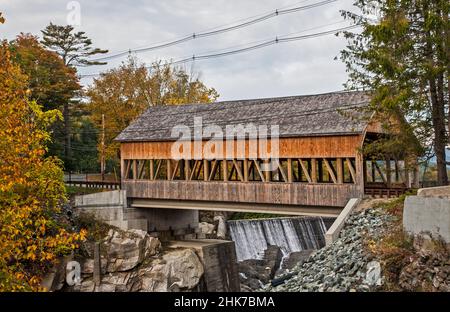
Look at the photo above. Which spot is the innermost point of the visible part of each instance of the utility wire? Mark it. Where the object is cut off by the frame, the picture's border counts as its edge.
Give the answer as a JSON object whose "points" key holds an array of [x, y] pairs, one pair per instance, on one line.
{"points": [[217, 31], [262, 45], [253, 47]]}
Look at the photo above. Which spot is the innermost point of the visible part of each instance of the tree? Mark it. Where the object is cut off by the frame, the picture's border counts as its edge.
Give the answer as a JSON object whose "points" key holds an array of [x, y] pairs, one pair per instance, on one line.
{"points": [[85, 146], [52, 83], [403, 59], [121, 94], [31, 186], [75, 49]]}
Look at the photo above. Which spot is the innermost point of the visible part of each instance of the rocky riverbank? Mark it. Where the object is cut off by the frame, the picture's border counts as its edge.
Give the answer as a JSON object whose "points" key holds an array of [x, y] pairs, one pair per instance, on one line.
{"points": [[372, 253], [131, 261], [341, 266]]}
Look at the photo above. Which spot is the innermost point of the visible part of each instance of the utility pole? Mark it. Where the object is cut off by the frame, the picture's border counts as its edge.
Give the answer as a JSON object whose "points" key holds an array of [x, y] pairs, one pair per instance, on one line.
{"points": [[102, 157]]}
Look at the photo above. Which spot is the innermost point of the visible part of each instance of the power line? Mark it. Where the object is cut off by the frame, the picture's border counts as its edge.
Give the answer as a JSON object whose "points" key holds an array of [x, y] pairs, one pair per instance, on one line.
{"points": [[262, 45], [203, 34], [263, 40], [281, 39]]}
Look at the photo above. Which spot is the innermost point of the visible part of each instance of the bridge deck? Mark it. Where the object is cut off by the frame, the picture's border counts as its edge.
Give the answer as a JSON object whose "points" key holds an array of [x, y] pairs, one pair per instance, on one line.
{"points": [[237, 207]]}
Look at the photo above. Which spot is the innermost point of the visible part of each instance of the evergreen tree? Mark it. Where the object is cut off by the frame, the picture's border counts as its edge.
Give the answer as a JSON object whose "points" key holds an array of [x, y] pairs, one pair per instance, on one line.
{"points": [[402, 56], [75, 49]]}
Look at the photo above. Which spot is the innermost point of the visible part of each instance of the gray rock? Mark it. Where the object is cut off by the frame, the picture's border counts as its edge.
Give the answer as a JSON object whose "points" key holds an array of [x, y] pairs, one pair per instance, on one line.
{"points": [[125, 250], [206, 228], [178, 270], [340, 266]]}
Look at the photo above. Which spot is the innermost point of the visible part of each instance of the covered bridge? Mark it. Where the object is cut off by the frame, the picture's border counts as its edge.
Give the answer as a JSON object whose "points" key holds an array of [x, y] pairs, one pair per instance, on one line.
{"points": [[320, 165]]}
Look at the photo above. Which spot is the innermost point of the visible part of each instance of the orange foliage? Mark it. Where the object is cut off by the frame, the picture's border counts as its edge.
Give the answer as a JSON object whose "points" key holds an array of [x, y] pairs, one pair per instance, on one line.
{"points": [[31, 186]]}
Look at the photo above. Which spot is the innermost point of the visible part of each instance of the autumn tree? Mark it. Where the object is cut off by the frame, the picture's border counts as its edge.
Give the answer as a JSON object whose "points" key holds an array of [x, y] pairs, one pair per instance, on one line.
{"points": [[76, 49], [51, 83], [123, 93], [31, 186], [402, 56]]}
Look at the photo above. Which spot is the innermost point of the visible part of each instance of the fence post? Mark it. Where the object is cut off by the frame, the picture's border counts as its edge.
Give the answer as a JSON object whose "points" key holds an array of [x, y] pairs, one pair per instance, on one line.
{"points": [[97, 264]]}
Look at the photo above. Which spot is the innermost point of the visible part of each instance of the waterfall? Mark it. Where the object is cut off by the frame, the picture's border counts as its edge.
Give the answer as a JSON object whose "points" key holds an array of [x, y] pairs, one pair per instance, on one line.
{"points": [[252, 237]]}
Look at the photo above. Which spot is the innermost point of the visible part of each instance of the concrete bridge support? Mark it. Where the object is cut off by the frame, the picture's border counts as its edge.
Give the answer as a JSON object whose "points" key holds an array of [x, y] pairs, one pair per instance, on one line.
{"points": [[112, 208]]}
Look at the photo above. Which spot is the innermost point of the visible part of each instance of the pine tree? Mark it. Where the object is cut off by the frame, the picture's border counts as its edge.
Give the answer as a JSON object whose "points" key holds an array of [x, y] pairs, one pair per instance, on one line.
{"points": [[75, 48]]}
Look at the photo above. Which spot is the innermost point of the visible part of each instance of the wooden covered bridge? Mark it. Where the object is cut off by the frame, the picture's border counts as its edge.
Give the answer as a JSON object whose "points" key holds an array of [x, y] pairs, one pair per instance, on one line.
{"points": [[320, 165]]}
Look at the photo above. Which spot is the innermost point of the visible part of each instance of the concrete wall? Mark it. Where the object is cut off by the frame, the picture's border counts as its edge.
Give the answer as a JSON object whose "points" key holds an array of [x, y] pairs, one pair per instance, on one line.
{"points": [[112, 208], [219, 261], [102, 199], [438, 191], [429, 211]]}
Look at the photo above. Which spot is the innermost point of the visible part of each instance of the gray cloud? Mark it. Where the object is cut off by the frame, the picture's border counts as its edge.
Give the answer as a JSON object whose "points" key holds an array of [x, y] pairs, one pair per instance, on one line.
{"points": [[301, 67]]}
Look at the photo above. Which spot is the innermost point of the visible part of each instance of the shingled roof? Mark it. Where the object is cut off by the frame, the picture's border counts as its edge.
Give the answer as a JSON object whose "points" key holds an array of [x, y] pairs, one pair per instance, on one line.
{"points": [[306, 115]]}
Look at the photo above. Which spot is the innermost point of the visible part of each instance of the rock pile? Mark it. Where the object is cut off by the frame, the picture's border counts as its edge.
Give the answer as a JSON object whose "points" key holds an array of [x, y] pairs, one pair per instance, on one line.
{"points": [[255, 273], [342, 266], [428, 268]]}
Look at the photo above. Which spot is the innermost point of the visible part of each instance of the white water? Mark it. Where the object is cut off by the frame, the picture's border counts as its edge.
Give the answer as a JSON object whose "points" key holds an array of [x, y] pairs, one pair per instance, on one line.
{"points": [[252, 237]]}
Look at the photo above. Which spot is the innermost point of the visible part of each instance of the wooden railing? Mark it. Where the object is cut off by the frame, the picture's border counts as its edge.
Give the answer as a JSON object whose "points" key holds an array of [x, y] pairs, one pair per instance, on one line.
{"points": [[90, 181], [308, 194]]}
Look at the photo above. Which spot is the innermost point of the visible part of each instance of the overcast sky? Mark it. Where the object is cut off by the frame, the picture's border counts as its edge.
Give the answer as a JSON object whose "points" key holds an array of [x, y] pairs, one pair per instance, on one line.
{"points": [[301, 67]]}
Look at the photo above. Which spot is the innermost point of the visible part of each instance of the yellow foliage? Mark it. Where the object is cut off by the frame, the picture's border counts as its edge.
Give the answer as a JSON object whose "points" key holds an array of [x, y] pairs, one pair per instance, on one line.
{"points": [[31, 186]]}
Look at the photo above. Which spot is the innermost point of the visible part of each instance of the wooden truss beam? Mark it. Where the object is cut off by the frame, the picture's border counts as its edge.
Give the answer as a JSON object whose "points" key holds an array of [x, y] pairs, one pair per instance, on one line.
{"points": [[351, 169], [330, 170], [305, 170]]}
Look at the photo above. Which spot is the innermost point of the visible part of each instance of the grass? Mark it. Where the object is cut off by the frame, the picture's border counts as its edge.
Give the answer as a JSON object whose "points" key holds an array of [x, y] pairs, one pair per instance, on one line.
{"points": [[394, 247]]}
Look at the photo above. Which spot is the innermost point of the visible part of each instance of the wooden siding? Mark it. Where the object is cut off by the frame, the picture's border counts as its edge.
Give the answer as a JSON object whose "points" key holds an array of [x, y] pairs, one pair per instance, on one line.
{"points": [[307, 194], [302, 147]]}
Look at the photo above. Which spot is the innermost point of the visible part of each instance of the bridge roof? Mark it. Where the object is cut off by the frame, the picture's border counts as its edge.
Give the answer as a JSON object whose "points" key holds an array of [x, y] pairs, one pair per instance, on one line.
{"points": [[336, 113]]}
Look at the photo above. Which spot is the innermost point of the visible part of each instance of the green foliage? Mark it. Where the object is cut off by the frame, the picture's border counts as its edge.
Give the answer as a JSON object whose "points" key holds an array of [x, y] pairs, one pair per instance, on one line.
{"points": [[252, 215], [85, 146], [96, 230], [75, 48], [52, 84], [402, 57]]}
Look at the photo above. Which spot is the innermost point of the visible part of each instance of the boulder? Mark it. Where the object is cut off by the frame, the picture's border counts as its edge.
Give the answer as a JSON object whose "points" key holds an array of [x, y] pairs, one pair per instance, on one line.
{"points": [[125, 250], [176, 270], [179, 269], [293, 259], [206, 228], [254, 273], [221, 226]]}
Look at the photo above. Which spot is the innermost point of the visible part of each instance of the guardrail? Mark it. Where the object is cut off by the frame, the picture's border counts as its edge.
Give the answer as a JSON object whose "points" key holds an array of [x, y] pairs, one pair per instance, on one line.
{"points": [[333, 232], [384, 192], [95, 184]]}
